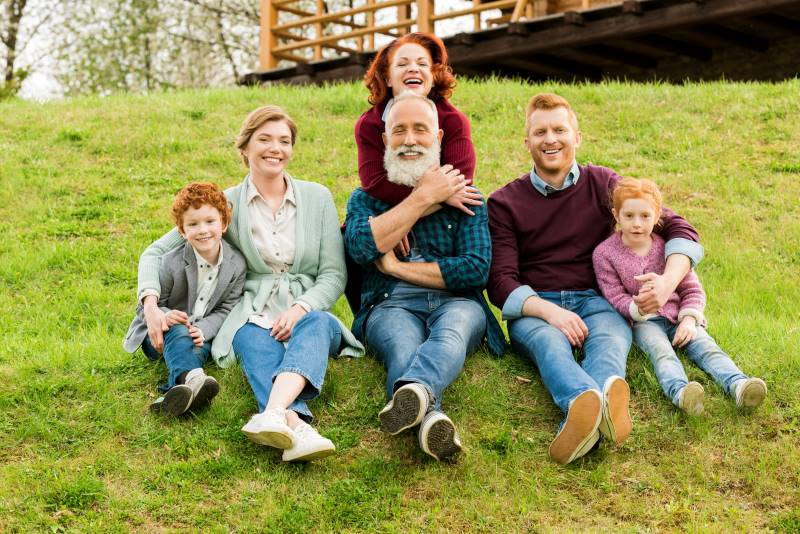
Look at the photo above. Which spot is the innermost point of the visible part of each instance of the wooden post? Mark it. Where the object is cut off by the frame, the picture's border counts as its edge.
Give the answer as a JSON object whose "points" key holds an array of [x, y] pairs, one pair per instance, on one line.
{"points": [[267, 40], [424, 13], [476, 18], [318, 25], [371, 24]]}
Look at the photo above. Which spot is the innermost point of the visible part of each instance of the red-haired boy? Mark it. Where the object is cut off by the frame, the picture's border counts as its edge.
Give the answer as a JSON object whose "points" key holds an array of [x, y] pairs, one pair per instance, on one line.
{"points": [[200, 283]]}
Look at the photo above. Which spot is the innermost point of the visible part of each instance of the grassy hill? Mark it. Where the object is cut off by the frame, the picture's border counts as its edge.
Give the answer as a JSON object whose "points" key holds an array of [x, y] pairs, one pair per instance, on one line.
{"points": [[86, 184]]}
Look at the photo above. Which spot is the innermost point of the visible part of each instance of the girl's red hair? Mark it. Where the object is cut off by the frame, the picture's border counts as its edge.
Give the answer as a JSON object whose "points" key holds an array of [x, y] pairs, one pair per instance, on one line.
{"points": [[443, 79], [634, 188]]}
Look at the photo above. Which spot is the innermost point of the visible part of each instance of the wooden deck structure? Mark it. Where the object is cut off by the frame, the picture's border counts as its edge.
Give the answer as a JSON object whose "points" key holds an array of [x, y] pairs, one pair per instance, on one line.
{"points": [[539, 39]]}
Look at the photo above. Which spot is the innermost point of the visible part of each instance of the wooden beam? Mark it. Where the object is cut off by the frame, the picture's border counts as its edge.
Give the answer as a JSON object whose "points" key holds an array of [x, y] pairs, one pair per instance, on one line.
{"points": [[341, 14], [497, 4], [266, 39], [354, 33], [657, 20], [674, 46], [617, 55], [734, 37]]}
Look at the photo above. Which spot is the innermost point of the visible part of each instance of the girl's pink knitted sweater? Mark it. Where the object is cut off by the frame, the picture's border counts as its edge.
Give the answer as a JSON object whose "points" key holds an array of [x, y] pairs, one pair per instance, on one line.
{"points": [[615, 265]]}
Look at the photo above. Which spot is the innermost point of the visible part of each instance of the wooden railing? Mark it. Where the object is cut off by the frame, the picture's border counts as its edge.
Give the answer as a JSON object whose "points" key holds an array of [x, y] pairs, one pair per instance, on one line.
{"points": [[300, 31]]}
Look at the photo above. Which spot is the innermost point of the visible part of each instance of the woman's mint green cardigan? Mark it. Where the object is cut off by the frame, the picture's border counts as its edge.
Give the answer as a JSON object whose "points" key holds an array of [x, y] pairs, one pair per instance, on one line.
{"points": [[317, 276]]}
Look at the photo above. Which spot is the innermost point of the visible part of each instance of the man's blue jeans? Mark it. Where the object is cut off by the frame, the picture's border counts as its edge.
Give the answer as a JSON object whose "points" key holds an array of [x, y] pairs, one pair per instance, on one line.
{"points": [[605, 350], [654, 337], [180, 353], [424, 337], [314, 337]]}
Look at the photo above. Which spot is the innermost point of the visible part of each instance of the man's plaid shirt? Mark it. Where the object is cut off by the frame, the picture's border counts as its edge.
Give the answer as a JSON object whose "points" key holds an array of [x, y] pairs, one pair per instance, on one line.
{"points": [[458, 242]]}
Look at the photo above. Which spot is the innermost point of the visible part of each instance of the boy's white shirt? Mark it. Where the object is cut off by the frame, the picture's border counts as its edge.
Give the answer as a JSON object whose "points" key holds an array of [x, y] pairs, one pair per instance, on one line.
{"points": [[207, 277]]}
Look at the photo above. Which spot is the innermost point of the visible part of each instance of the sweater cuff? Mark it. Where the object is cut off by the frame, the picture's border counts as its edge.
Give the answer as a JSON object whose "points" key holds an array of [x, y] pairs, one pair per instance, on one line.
{"points": [[512, 309], [147, 293], [306, 306], [691, 312], [687, 247], [636, 316]]}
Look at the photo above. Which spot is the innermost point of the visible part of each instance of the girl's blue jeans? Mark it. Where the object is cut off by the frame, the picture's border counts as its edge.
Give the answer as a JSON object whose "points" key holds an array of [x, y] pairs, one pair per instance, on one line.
{"points": [[314, 337], [654, 337]]}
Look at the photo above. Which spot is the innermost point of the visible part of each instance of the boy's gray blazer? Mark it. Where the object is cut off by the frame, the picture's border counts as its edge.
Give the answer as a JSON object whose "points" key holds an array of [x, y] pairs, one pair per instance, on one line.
{"points": [[178, 278]]}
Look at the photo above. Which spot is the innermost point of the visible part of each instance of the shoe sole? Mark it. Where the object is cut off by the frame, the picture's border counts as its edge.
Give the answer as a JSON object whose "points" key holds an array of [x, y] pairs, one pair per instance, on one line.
{"points": [[207, 392], [176, 400], [692, 399], [439, 439], [406, 410], [583, 419], [314, 455], [753, 394], [270, 438], [616, 410]]}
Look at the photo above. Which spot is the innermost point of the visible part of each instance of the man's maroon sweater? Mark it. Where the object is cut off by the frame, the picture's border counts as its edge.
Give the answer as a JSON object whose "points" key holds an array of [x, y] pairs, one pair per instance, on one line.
{"points": [[457, 149], [547, 242]]}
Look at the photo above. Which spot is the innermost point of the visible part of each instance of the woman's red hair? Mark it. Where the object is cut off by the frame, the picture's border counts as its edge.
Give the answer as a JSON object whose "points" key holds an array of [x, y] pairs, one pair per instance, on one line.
{"points": [[443, 79]]}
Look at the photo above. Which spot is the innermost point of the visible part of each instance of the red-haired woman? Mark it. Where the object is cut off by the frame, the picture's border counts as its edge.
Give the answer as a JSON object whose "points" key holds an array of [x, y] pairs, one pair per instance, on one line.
{"points": [[414, 62]]}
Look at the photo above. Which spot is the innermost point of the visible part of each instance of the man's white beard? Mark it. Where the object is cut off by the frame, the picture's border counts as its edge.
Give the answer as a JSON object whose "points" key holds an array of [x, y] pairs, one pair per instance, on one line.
{"points": [[408, 172]]}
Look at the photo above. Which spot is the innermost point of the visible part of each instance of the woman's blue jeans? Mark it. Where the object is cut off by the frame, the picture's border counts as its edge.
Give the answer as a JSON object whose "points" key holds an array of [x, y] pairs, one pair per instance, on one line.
{"points": [[180, 353], [605, 350], [314, 337], [654, 337], [425, 337]]}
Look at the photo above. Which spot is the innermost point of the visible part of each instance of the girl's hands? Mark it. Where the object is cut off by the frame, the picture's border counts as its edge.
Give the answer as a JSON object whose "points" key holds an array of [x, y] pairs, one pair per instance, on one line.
{"points": [[284, 324], [197, 336], [687, 330]]}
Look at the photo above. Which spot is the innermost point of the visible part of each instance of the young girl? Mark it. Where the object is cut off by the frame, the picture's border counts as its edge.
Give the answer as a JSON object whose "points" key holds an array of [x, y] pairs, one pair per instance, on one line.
{"points": [[635, 250]]}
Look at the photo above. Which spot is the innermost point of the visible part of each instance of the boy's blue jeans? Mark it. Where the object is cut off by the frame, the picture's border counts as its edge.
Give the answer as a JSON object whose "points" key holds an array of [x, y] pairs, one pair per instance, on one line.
{"points": [[605, 350], [180, 353], [314, 337], [654, 337], [424, 337]]}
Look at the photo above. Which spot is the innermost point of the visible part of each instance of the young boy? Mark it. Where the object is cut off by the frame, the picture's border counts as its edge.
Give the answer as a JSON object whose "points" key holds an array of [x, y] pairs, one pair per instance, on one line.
{"points": [[200, 284]]}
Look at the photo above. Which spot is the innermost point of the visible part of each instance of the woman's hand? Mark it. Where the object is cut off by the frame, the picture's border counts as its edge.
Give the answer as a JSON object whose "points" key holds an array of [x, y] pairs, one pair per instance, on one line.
{"points": [[284, 324], [686, 331], [156, 322], [469, 196]]}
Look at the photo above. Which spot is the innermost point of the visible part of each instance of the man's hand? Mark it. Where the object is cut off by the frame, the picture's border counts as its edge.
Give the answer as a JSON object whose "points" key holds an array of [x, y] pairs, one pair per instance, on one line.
{"points": [[568, 323], [654, 291], [686, 331], [469, 196], [177, 317], [284, 325], [437, 184], [197, 336], [156, 322], [403, 248], [386, 263]]}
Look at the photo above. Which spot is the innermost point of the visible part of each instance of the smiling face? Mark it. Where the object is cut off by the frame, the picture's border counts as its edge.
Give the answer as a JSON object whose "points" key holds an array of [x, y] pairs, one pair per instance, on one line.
{"points": [[410, 70], [412, 141], [203, 228], [269, 150], [552, 141], [636, 218]]}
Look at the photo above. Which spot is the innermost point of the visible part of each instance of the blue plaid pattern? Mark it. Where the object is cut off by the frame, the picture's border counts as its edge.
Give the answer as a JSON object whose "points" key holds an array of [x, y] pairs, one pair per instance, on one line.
{"points": [[459, 243]]}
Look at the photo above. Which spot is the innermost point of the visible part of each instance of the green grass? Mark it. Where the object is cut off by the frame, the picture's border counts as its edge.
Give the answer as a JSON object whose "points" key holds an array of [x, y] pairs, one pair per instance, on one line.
{"points": [[86, 184]]}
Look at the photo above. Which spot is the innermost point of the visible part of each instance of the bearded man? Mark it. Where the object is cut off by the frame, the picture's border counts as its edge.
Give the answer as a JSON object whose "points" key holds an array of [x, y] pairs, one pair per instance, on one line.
{"points": [[424, 312]]}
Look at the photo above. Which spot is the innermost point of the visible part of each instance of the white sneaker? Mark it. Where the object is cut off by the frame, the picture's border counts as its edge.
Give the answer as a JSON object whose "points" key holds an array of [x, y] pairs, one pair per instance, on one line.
{"points": [[690, 398], [616, 421], [204, 388], [438, 436], [308, 445], [269, 428], [750, 392]]}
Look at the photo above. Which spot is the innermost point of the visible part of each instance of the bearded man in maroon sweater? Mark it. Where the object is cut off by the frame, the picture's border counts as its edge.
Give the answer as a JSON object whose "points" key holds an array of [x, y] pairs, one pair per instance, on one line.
{"points": [[544, 227]]}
